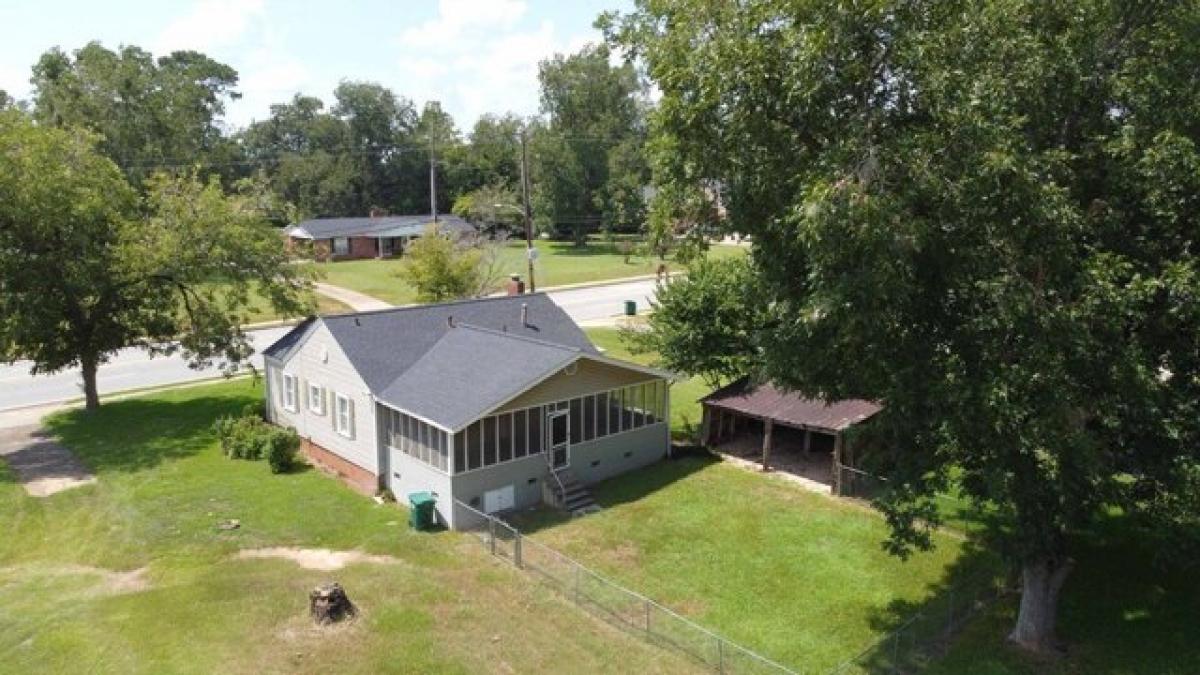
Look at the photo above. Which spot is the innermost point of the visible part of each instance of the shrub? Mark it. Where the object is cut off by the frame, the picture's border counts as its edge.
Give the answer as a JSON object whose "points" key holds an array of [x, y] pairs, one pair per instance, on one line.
{"points": [[282, 445], [249, 437], [241, 437]]}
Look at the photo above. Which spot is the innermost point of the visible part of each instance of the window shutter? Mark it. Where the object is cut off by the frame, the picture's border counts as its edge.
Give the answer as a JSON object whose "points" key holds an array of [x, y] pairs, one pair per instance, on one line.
{"points": [[350, 414]]}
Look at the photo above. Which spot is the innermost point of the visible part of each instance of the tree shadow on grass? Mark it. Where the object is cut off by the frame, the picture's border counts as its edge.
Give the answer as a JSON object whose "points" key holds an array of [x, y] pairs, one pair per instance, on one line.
{"points": [[141, 433], [1123, 610]]}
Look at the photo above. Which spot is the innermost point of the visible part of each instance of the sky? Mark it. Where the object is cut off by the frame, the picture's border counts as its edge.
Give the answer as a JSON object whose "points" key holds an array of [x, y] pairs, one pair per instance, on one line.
{"points": [[474, 56]]}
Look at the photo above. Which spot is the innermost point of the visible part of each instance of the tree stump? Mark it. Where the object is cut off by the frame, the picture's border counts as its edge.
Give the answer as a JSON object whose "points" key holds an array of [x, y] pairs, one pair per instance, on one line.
{"points": [[328, 604]]}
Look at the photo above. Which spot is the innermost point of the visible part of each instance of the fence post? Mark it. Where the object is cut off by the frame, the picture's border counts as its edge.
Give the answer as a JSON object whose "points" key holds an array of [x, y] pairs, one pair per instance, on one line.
{"points": [[517, 548], [721, 656], [492, 534]]}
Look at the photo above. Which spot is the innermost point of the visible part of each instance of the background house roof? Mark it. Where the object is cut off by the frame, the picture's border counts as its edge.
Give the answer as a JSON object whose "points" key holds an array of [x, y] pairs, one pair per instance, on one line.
{"points": [[766, 401], [471, 371], [381, 226]]}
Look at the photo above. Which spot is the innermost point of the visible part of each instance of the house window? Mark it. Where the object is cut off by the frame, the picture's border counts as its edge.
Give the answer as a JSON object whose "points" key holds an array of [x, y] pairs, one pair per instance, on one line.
{"points": [[289, 392], [316, 399], [341, 246], [343, 421]]}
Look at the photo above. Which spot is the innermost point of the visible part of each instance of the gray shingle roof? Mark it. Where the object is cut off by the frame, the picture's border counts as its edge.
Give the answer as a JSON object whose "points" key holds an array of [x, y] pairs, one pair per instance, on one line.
{"points": [[382, 226], [472, 370], [283, 347], [413, 359], [382, 345]]}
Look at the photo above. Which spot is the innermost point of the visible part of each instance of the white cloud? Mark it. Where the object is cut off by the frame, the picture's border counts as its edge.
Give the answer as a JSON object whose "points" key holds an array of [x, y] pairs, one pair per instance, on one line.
{"points": [[475, 56], [209, 24], [238, 32]]}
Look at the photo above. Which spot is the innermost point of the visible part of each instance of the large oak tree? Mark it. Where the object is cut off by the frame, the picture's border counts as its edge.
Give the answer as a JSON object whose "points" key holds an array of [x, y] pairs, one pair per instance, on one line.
{"points": [[87, 268], [983, 214]]}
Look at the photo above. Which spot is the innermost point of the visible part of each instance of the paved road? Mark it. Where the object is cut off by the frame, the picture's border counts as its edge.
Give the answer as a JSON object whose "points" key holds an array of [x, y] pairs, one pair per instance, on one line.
{"points": [[133, 369]]}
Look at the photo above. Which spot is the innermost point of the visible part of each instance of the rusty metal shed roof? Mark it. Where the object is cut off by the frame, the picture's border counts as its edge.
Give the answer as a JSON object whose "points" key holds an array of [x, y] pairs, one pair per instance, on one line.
{"points": [[790, 408]]}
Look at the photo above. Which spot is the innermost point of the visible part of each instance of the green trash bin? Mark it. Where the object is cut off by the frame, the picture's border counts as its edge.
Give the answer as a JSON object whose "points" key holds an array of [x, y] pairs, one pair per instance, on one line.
{"points": [[420, 514], [630, 308]]}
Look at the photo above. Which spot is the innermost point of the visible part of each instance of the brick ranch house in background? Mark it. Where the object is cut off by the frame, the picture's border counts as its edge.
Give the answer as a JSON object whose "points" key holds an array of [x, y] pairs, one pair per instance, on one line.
{"points": [[502, 403], [369, 237]]}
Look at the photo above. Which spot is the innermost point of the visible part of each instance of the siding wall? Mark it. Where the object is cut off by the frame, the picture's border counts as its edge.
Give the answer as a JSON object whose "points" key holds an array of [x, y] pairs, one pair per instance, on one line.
{"points": [[321, 360], [590, 377], [644, 446]]}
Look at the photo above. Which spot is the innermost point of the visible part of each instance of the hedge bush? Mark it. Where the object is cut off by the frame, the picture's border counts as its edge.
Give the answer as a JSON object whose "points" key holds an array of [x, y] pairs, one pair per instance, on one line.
{"points": [[282, 445], [249, 437]]}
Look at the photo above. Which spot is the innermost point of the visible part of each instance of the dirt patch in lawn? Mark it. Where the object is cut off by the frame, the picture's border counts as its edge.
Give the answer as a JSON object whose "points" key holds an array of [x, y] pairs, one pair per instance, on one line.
{"points": [[43, 466], [322, 559], [108, 582]]}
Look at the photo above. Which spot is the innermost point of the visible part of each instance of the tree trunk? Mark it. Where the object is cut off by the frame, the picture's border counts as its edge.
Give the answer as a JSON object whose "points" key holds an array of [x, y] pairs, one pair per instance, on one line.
{"points": [[90, 394], [1041, 581]]}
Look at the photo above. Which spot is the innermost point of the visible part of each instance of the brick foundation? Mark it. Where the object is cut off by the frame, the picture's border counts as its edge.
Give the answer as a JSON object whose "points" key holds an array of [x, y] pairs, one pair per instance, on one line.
{"points": [[350, 473]]}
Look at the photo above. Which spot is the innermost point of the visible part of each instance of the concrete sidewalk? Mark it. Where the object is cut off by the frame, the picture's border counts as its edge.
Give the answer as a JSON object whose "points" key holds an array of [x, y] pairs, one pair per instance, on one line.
{"points": [[42, 465], [359, 302]]}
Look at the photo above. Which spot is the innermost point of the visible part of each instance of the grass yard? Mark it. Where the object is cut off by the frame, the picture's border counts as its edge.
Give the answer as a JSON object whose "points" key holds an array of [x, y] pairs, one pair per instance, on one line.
{"points": [[797, 576], [1122, 612], [68, 601], [559, 263]]}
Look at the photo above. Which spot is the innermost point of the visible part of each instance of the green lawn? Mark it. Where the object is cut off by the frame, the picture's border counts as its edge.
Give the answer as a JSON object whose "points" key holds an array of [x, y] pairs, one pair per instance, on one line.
{"points": [[1123, 611], [559, 263], [797, 576], [443, 606]]}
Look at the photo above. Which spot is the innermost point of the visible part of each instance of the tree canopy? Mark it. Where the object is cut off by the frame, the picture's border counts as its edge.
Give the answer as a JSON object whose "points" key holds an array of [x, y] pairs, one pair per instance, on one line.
{"points": [[87, 268], [149, 112], [983, 215]]}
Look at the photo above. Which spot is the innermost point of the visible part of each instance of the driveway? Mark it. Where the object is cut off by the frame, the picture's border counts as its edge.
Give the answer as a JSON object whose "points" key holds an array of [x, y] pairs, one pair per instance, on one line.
{"points": [[359, 302], [43, 466]]}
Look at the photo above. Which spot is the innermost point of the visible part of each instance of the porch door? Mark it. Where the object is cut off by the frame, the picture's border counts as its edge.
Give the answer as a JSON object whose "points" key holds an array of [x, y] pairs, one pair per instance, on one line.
{"points": [[559, 425]]}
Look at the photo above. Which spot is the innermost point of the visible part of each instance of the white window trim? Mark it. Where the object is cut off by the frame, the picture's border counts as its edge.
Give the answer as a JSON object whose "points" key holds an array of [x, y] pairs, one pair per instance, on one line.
{"points": [[289, 393], [347, 429], [316, 399]]}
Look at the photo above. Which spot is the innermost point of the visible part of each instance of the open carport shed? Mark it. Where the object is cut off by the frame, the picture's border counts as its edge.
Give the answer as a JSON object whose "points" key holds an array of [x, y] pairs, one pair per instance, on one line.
{"points": [[745, 416]]}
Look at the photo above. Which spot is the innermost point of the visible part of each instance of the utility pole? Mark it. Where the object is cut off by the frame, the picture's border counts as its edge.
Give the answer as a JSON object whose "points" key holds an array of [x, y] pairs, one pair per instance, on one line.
{"points": [[530, 252], [435, 106]]}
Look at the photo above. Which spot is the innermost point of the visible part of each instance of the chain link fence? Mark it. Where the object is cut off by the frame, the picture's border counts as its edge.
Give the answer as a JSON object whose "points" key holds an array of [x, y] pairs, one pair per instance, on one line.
{"points": [[907, 649], [628, 609], [916, 642]]}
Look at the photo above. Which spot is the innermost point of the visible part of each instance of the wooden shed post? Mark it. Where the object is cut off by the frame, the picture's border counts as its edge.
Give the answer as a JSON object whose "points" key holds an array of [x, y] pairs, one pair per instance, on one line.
{"points": [[837, 464], [768, 426], [705, 425]]}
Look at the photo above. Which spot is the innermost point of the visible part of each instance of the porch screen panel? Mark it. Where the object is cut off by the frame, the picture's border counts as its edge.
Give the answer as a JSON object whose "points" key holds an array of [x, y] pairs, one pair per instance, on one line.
{"points": [[576, 420], [602, 414], [474, 446], [589, 418], [520, 434], [536, 435], [489, 441], [504, 424], [460, 451]]}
